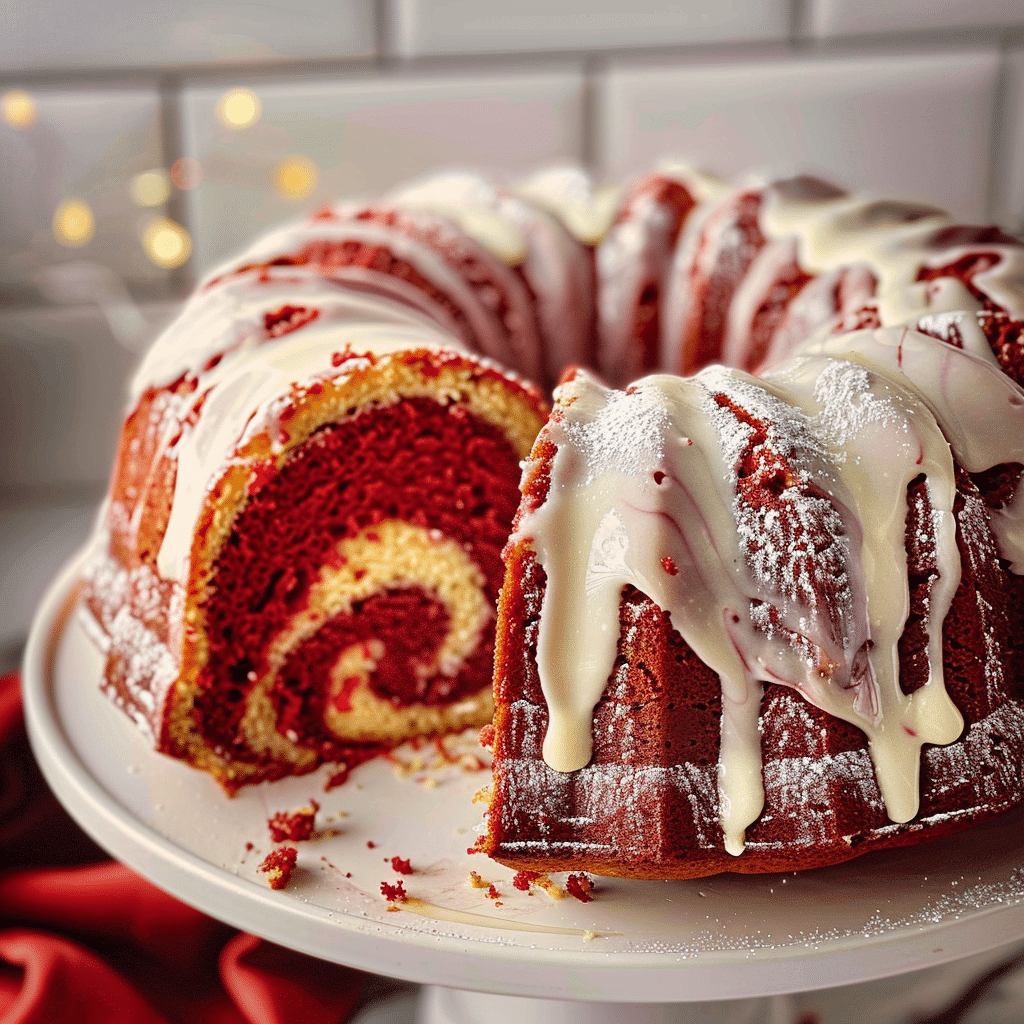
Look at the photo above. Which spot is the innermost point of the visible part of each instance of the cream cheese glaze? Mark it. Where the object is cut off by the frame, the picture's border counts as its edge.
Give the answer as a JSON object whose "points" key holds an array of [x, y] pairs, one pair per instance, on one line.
{"points": [[892, 239], [643, 491], [236, 398]]}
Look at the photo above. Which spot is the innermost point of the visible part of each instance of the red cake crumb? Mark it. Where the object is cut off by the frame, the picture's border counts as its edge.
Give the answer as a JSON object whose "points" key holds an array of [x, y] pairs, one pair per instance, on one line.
{"points": [[522, 880], [294, 826], [394, 893], [370, 844], [278, 866], [492, 892], [669, 566], [487, 736], [403, 867], [580, 886]]}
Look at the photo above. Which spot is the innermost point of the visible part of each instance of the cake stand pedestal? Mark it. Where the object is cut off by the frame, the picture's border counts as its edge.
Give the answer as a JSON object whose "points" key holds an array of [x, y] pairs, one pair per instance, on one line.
{"points": [[456, 1006], [637, 945]]}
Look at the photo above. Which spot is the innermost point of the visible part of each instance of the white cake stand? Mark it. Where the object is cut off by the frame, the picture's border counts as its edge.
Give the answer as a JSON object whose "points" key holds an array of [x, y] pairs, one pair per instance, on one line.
{"points": [[637, 943]]}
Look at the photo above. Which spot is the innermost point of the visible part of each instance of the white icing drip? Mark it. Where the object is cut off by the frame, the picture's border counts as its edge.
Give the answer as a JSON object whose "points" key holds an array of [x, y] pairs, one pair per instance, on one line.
{"points": [[882, 438], [704, 186], [1008, 526], [636, 252], [471, 202], [229, 319], [643, 492], [568, 192], [891, 239], [239, 397], [529, 238]]}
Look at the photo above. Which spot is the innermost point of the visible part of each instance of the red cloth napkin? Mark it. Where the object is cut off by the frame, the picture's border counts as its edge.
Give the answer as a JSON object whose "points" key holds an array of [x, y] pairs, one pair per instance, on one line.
{"points": [[84, 939]]}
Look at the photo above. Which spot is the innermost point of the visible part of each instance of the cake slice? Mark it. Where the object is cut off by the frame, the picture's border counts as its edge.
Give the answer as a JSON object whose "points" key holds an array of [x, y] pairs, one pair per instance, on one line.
{"points": [[300, 554]]}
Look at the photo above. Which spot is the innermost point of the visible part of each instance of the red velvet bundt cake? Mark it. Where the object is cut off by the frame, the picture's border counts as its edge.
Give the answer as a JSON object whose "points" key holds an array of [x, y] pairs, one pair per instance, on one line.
{"points": [[760, 624], [324, 448]]}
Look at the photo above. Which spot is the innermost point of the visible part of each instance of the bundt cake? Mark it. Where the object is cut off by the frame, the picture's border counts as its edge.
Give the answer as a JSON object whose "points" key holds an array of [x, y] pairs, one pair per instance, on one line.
{"points": [[764, 623], [323, 451]]}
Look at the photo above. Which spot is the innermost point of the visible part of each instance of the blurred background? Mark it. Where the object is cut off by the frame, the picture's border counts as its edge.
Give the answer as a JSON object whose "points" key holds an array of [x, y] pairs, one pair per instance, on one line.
{"points": [[140, 143]]}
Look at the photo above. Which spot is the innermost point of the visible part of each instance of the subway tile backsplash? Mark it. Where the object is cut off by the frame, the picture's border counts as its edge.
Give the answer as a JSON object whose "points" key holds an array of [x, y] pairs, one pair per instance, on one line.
{"points": [[315, 139], [914, 125], [53, 35], [140, 144], [875, 17], [489, 26], [70, 161]]}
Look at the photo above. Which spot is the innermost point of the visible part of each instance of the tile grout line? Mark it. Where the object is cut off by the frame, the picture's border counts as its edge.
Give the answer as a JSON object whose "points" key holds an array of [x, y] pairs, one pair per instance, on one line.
{"points": [[795, 42]]}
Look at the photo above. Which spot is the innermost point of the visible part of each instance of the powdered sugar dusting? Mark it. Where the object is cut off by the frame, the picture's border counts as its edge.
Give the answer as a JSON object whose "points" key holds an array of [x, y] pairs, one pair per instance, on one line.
{"points": [[847, 400], [626, 432]]}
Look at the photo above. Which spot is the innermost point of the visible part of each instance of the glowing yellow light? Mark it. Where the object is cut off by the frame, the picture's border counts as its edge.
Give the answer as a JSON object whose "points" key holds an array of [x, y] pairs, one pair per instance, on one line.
{"points": [[18, 108], [295, 177], [186, 173], [73, 223], [238, 108], [166, 243], [150, 188]]}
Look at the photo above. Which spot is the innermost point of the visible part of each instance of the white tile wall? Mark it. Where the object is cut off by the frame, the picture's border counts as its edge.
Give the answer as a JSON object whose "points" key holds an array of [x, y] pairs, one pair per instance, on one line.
{"points": [[915, 126], [83, 145], [1008, 205], [870, 17], [487, 26], [63, 379], [891, 96], [54, 34], [363, 136]]}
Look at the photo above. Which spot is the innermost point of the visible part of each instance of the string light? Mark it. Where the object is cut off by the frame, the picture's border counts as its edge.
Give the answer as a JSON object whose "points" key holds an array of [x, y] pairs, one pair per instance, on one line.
{"points": [[150, 188], [186, 173], [73, 223], [238, 108], [166, 243], [295, 177], [18, 109]]}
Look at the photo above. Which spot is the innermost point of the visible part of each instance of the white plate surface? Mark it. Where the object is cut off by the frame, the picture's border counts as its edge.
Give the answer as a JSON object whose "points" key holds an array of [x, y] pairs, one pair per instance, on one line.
{"points": [[724, 937]]}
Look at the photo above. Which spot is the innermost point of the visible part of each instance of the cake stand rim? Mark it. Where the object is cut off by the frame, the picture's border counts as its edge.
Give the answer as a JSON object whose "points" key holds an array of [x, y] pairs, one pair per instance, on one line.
{"points": [[636, 977]]}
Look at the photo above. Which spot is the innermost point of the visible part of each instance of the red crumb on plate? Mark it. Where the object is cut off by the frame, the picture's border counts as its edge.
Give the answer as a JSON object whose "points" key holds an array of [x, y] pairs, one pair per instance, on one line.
{"points": [[394, 893], [523, 879], [278, 866], [293, 826], [580, 886], [403, 867]]}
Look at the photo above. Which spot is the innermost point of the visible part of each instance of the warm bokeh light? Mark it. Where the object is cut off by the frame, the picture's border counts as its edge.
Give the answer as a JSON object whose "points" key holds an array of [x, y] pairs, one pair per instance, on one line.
{"points": [[166, 243], [238, 108], [150, 188], [18, 108], [73, 223], [186, 173], [295, 177]]}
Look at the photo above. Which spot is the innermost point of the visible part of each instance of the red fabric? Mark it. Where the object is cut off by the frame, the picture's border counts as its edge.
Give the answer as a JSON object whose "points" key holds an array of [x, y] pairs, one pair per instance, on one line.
{"points": [[83, 939]]}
